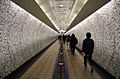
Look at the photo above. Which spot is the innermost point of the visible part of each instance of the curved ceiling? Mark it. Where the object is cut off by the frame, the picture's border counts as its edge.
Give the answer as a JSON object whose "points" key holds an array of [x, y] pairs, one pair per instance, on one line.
{"points": [[61, 14]]}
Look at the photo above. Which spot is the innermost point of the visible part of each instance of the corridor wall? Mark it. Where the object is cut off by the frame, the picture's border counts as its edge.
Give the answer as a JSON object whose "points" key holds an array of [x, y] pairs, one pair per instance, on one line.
{"points": [[104, 26], [21, 36]]}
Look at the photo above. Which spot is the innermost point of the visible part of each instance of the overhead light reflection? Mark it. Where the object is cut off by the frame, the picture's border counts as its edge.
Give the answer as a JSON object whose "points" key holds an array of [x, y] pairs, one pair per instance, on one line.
{"points": [[37, 1], [61, 5]]}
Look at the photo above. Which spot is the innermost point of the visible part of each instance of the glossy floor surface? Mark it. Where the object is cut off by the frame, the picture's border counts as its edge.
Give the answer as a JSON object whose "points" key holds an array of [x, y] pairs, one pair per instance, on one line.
{"points": [[76, 68], [43, 68]]}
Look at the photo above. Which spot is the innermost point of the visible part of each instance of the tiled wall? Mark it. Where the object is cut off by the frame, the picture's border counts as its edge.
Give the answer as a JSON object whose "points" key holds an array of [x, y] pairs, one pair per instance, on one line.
{"points": [[21, 36], [104, 26]]}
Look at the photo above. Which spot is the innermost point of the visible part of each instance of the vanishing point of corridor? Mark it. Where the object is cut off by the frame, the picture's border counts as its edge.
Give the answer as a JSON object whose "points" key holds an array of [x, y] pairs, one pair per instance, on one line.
{"points": [[29, 45]]}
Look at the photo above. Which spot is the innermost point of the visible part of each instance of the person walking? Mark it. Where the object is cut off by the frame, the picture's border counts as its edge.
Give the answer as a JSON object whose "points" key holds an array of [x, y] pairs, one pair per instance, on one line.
{"points": [[73, 42], [64, 39], [87, 48], [68, 41]]}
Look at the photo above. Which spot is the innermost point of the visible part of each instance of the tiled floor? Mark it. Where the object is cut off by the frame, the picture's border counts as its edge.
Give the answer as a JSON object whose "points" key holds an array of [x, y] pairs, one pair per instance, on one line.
{"points": [[76, 68], [44, 66]]}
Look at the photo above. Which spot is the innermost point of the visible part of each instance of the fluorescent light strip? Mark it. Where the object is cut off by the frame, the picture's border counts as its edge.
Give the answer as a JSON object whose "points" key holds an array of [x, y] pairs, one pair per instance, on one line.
{"points": [[33, 16]]}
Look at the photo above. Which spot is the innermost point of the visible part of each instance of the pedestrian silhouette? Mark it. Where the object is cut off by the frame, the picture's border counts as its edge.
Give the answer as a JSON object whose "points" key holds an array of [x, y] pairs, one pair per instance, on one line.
{"points": [[68, 40], [59, 37], [73, 42], [87, 48], [64, 38]]}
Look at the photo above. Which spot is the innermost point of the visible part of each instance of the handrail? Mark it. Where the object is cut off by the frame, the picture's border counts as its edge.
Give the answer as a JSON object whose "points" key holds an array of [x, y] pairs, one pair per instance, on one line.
{"points": [[60, 69]]}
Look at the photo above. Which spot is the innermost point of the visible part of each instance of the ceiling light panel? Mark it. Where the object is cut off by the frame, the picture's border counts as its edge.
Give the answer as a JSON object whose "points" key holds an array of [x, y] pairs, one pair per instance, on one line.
{"points": [[78, 5], [61, 12]]}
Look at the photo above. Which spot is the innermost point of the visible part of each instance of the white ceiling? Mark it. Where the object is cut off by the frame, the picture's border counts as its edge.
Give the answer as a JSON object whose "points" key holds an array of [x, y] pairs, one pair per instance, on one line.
{"points": [[61, 12]]}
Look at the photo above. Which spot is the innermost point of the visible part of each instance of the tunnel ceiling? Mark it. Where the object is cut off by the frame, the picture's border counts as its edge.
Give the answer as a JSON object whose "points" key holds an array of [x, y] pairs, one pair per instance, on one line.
{"points": [[61, 14]]}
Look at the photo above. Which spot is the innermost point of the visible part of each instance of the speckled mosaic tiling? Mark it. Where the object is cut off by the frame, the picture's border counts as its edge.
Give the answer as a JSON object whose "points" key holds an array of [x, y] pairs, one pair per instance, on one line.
{"points": [[21, 36], [104, 26]]}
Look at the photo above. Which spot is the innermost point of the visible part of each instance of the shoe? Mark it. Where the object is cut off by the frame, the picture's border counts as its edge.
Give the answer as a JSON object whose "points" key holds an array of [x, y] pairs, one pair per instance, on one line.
{"points": [[91, 69], [85, 67], [85, 64]]}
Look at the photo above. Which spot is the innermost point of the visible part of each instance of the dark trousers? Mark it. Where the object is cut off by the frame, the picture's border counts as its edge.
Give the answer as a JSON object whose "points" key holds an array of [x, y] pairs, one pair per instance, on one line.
{"points": [[72, 49], [89, 58]]}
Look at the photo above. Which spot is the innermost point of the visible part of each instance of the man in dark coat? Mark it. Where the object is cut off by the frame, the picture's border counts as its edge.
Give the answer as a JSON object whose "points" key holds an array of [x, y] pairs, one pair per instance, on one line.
{"points": [[87, 48], [73, 42], [68, 40]]}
